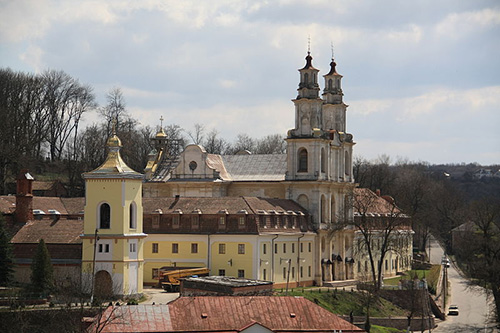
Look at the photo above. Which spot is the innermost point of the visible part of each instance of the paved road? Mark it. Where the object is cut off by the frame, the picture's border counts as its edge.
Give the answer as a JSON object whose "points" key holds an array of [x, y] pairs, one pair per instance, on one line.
{"points": [[158, 296], [471, 300]]}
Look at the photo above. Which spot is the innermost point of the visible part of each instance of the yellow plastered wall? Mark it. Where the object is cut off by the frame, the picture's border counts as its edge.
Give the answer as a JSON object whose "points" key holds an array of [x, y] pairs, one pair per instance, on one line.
{"points": [[119, 194], [231, 261]]}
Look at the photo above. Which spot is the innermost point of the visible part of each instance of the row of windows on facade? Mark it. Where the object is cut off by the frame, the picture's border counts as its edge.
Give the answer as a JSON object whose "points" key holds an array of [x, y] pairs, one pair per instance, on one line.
{"points": [[105, 216], [104, 248], [305, 79], [395, 264], [264, 221], [303, 161], [241, 248]]}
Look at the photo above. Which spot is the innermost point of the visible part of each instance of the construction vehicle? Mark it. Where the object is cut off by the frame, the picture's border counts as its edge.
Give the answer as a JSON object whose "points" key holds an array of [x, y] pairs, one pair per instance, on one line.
{"points": [[169, 279]]}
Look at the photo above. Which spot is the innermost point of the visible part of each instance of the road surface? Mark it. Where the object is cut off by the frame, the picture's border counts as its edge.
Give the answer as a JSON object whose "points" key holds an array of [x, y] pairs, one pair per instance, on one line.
{"points": [[472, 302]]}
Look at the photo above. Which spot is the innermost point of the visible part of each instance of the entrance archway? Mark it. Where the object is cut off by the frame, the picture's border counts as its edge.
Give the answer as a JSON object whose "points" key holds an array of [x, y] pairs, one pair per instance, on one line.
{"points": [[103, 285]]}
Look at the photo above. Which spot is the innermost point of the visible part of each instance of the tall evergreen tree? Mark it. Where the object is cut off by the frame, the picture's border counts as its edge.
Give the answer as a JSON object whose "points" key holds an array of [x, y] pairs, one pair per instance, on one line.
{"points": [[42, 274], [6, 262]]}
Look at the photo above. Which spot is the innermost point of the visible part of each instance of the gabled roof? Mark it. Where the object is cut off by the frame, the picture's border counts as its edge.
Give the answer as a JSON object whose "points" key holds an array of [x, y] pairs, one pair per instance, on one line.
{"points": [[270, 167], [65, 206], [53, 231], [226, 314], [211, 205], [368, 202]]}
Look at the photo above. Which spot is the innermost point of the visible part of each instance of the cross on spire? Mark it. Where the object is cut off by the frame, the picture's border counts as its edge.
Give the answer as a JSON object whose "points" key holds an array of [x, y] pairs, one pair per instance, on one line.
{"points": [[161, 121], [331, 44], [309, 44], [113, 124]]}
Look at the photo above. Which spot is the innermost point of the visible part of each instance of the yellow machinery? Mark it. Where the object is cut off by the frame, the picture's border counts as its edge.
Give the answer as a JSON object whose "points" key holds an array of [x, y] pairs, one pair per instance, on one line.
{"points": [[169, 279]]}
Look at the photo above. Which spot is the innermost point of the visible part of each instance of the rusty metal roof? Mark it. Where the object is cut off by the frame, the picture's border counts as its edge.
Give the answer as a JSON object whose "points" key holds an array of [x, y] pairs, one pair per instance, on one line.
{"points": [[225, 314]]}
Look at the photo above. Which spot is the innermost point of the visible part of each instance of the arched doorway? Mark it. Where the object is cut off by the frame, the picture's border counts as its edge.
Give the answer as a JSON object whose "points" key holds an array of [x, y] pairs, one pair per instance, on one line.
{"points": [[103, 285]]}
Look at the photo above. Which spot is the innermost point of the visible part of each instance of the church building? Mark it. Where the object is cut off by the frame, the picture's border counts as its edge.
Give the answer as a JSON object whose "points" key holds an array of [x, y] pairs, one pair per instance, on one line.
{"points": [[315, 172]]}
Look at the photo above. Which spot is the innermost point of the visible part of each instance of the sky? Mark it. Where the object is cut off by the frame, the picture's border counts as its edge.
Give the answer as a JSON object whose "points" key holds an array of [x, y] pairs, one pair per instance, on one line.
{"points": [[421, 78]]}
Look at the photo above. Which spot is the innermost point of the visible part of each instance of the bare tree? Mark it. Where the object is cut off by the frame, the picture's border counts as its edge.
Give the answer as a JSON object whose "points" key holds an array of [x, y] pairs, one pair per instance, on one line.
{"points": [[198, 134], [213, 144], [381, 228], [243, 142], [271, 144]]}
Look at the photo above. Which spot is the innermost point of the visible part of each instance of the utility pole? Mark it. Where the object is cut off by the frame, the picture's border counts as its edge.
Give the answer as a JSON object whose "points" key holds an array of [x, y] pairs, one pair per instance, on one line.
{"points": [[96, 238]]}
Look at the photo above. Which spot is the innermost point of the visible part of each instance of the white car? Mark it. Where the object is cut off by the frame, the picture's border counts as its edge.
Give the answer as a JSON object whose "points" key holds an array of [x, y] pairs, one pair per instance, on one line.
{"points": [[453, 310]]}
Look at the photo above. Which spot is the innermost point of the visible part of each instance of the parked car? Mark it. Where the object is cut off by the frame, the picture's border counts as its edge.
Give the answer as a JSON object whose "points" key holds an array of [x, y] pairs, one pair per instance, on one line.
{"points": [[453, 310]]}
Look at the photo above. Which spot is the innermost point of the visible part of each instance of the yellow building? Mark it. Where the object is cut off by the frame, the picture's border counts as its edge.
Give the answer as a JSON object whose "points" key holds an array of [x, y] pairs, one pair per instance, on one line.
{"points": [[112, 240], [250, 237]]}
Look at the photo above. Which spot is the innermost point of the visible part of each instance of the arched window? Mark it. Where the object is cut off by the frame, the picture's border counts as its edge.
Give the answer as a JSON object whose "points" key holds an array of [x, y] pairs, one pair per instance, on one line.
{"points": [[329, 84], [306, 78], [303, 200], [323, 160], [104, 216], [133, 215], [332, 210], [302, 160]]}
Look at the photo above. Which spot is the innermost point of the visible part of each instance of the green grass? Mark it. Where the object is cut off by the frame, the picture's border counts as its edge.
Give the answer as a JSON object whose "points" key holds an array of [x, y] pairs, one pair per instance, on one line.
{"points": [[382, 329], [343, 302], [431, 276]]}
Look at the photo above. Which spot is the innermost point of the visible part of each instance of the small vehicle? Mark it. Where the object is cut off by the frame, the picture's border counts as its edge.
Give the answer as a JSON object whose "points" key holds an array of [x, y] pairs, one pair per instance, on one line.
{"points": [[445, 262], [453, 310], [169, 279]]}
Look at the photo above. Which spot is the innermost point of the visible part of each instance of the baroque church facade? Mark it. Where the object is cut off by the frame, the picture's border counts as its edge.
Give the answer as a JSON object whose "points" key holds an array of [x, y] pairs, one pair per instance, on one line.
{"points": [[315, 172]]}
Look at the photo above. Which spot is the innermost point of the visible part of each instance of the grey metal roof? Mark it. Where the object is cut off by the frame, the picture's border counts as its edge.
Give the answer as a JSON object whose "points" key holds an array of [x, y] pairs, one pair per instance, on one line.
{"points": [[256, 167]]}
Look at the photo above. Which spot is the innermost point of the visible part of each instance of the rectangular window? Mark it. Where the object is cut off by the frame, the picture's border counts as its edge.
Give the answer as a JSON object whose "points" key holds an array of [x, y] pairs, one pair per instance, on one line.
{"points": [[264, 248], [284, 247], [386, 265], [222, 272], [284, 273], [222, 248], [309, 271], [156, 272], [106, 248], [155, 248], [310, 246], [359, 266], [264, 274], [241, 273], [241, 248], [241, 222], [293, 272], [301, 271], [100, 248], [156, 222], [175, 221], [222, 221], [293, 247], [175, 248], [132, 247], [301, 247], [262, 221], [275, 248], [194, 247]]}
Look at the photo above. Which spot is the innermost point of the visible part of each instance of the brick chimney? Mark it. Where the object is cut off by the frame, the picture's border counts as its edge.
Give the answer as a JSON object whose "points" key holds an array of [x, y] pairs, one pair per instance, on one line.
{"points": [[24, 197]]}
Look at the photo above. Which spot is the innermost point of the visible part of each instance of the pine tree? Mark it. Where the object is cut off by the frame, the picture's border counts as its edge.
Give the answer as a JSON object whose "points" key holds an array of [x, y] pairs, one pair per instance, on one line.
{"points": [[42, 275], [6, 259]]}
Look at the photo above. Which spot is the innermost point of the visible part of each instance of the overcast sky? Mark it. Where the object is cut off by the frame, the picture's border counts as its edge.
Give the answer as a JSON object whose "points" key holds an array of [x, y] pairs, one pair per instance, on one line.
{"points": [[421, 78]]}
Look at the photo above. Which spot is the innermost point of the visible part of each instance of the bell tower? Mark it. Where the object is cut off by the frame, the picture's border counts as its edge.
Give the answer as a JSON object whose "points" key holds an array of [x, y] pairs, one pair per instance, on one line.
{"points": [[112, 259], [334, 109]]}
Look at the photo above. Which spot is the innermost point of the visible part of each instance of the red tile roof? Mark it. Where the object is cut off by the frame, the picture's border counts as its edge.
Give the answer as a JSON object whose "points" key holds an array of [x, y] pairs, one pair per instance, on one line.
{"points": [[64, 206], [226, 314], [61, 231]]}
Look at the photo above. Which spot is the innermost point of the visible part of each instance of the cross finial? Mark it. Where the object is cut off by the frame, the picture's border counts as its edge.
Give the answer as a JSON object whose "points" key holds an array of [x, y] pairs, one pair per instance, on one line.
{"points": [[113, 124], [309, 44], [331, 44], [161, 121]]}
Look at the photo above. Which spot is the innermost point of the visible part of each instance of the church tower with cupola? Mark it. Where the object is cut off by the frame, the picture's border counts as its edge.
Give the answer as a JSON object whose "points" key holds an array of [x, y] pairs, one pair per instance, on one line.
{"points": [[112, 259]]}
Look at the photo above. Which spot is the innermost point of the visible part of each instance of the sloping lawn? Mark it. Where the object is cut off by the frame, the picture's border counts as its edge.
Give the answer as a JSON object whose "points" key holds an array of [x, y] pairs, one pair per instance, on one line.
{"points": [[343, 302]]}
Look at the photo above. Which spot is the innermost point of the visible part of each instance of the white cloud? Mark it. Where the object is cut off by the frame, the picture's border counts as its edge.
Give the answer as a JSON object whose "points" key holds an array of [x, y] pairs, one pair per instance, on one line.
{"points": [[458, 25]]}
